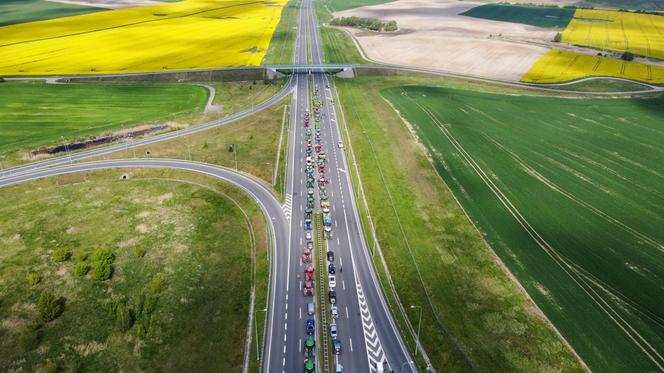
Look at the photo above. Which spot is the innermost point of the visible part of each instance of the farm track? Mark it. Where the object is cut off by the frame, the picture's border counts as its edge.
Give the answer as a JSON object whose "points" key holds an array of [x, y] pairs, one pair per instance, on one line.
{"points": [[579, 276]]}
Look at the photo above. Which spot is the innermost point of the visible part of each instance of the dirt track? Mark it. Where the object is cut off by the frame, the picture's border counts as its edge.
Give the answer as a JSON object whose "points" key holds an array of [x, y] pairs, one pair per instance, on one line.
{"points": [[433, 35]]}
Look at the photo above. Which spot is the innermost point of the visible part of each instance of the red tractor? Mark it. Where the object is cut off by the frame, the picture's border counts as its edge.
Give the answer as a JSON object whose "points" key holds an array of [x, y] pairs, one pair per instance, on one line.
{"points": [[308, 289]]}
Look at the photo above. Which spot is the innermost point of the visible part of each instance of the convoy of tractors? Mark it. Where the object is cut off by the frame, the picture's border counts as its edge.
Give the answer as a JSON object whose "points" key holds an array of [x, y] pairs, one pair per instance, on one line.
{"points": [[316, 162]]}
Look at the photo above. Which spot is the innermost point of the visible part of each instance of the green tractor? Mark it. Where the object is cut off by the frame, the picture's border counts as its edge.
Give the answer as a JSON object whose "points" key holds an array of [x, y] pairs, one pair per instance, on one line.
{"points": [[309, 366]]}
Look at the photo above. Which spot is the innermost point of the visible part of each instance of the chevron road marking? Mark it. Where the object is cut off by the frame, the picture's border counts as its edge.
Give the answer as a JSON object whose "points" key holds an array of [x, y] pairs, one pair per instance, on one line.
{"points": [[375, 352], [288, 206]]}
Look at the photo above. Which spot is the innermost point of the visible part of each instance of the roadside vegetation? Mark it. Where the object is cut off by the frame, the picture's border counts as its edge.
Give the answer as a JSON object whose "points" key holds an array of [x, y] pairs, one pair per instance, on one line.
{"points": [[373, 24], [149, 273], [14, 12], [474, 316], [283, 39], [534, 15], [566, 193], [338, 45]]}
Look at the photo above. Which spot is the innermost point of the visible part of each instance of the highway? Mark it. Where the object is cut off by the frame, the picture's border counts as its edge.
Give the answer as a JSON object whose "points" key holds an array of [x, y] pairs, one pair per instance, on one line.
{"points": [[365, 326]]}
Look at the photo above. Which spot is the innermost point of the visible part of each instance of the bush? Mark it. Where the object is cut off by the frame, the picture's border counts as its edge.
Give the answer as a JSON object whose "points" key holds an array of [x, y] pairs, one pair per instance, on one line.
{"points": [[139, 252], [103, 255], [391, 26], [102, 271], [124, 317], [81, 269], [61, 254], [33, 279], [49, 367], [627, 56], [48, 307], [157, 284], [80, 256]]}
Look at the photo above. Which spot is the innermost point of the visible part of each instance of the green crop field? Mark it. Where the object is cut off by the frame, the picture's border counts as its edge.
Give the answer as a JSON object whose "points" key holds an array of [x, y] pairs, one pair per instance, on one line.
{"points": [[530, 15], [38, 114], [178, 295], [339, 5], [568, 193], [19, 11], [474, 317]]}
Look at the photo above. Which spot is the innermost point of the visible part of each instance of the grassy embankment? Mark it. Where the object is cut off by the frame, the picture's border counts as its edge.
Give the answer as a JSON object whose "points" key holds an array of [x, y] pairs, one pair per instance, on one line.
{"points": [[540, 16], [337, 45], [283, 40], [13, 12], [474, 315], [182, 267], [255, 140], [567, 195]]}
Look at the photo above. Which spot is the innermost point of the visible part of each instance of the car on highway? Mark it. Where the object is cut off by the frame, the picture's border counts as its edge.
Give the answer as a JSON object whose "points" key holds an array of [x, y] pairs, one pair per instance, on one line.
{"points": [[336, 346], [340, 144], [311, 308], [331, 269], [333, 331], [308, 235], [339, 368], [332, 295], [310, 245], [330, 256], [334, 311], [326, 210], [309, 366], [333, 281], [311, 326]]}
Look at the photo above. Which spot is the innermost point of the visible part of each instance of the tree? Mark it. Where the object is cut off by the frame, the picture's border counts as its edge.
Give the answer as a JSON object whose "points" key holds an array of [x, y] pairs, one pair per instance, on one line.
{"points": [[81, 269], [558, 38], [627, 56], [49, 307], [103, 255], [102, 271]]}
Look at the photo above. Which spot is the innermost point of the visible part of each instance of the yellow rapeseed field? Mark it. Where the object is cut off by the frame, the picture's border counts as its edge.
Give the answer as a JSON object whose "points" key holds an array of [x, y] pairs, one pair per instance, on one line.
{"points": [[190, 34], [641, 34], [561, 66]]}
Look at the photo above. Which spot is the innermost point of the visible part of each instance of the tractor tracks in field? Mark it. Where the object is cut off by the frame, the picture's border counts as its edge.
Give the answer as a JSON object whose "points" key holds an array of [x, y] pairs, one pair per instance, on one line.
{"points": [[583, 280]]}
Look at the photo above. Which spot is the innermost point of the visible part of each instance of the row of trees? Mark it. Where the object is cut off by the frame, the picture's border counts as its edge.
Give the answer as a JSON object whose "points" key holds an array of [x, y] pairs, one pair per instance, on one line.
{"points": [[373, 24]]}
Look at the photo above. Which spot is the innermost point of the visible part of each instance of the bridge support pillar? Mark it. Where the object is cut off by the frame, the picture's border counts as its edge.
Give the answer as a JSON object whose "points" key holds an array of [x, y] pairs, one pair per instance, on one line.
{"points": [[347, 73], [272, 74]]}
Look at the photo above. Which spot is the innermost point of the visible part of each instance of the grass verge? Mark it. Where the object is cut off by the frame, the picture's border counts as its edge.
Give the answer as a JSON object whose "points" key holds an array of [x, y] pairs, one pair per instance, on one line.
{"points": [[474, 315], [283, 39], [338, 45], [182, 271]]}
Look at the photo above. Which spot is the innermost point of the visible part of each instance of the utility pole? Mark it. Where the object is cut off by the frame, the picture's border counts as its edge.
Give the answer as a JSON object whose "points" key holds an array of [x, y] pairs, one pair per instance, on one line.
{"points": [[258, 356], [419, 324]]}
